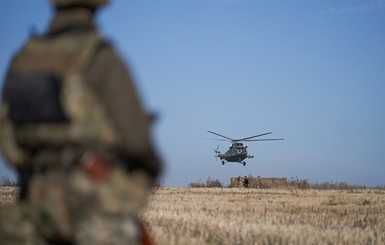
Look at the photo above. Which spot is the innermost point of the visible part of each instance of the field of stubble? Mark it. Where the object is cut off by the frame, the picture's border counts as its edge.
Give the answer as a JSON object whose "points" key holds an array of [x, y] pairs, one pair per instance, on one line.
{"points": [[260, 216], [265, 216]]}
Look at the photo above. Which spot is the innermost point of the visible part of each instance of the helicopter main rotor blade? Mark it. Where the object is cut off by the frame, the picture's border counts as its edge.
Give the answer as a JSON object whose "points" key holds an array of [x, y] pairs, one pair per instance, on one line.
{"points": [[264, 139], [201, 138], [211, 132], [245, 139]]}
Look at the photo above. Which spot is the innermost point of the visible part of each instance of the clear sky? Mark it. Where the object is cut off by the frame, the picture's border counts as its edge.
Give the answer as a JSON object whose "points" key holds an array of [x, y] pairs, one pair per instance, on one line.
{"points": [[312, 72]]}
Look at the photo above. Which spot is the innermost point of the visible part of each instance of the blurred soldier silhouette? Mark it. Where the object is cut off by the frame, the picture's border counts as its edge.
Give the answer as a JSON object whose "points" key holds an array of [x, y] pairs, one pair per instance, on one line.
{"points": [[72, 124]]}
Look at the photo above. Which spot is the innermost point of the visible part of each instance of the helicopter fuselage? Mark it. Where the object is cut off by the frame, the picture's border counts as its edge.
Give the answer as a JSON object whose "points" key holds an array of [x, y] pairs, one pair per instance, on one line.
{"points": [[237, 153]]}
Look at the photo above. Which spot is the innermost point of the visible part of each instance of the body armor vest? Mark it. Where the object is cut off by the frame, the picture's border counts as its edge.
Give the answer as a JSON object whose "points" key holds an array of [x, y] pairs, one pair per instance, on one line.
{"points": [[47, 101]]}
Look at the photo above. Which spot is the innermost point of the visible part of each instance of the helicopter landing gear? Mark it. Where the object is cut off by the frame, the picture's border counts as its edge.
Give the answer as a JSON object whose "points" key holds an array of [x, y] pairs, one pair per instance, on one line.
{"points": [[244, 163], [223, 162]]}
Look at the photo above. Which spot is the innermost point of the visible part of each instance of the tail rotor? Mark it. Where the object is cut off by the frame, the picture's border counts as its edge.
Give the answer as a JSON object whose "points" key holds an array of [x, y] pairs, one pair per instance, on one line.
{"points": [[217, 152]]}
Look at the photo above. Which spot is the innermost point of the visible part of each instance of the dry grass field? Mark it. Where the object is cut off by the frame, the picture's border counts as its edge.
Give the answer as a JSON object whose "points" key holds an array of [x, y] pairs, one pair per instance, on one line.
{"points": [[266, 216], [8, 195], [260, 216]]}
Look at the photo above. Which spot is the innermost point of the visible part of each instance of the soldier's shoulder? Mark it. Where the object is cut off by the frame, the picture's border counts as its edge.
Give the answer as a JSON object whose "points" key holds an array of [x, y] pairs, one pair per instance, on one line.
{"points": [[106, 50]]}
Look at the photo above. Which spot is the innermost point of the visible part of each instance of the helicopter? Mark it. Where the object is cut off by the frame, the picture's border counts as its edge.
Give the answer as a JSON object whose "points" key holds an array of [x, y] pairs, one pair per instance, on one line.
{"points": [[237, 151]]}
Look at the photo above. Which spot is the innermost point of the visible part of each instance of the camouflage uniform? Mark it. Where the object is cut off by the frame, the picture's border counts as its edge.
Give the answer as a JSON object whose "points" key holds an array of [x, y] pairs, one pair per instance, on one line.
{"points": [[82, 184]]}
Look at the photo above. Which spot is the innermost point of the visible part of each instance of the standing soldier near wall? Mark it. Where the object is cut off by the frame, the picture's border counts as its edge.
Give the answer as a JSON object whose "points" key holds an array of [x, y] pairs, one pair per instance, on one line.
{"points": [[72, 125], [246, 182]]}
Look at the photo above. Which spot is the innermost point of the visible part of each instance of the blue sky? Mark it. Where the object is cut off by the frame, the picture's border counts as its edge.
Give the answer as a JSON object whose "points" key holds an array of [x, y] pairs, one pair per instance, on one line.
{"points": [[312, 72]]}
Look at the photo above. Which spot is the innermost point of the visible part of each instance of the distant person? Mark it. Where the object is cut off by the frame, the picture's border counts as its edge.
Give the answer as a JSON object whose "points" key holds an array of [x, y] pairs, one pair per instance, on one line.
{"points": [[73, 126], [245, 182]]}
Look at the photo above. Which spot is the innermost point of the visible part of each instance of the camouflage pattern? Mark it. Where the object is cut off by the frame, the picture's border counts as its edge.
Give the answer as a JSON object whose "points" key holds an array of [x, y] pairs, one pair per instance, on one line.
{"points": [[116, 97], [73, 196], [49, 207], [16, 226], [50, 214], [89, 122], [112, 207]]}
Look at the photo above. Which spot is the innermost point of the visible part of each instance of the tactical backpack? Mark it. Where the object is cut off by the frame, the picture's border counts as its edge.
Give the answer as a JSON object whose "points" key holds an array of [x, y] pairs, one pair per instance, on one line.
{"points": [[46, 101]]}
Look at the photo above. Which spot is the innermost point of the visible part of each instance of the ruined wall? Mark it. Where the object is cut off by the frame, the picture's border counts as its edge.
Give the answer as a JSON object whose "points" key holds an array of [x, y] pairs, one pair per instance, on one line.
{"points": [[257, 182]]}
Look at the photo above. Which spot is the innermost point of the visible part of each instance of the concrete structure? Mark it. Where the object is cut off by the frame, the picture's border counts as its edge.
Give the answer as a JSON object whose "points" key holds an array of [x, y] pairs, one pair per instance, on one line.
{"points": [[257, 182]]}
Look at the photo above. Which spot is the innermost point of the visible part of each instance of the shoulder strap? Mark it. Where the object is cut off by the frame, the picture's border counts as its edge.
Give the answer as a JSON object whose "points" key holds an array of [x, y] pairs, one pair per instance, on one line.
{"points": [[90, 122]]}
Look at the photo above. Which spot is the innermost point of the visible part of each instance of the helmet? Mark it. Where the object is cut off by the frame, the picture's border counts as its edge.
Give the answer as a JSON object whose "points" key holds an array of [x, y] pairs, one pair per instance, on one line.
{"points": [[85, 3]]}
